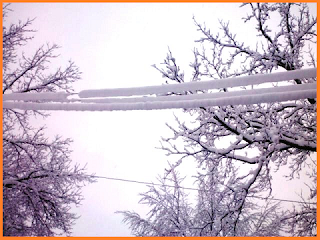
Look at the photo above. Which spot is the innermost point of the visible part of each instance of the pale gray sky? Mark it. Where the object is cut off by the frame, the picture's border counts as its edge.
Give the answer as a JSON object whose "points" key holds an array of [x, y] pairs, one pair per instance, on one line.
{"points": [[114, 45]]}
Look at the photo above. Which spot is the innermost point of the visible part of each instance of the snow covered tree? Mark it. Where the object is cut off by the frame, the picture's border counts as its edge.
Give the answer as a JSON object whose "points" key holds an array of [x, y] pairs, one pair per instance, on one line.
{"points": [[170, 214], [39, 182], [238, 148]]}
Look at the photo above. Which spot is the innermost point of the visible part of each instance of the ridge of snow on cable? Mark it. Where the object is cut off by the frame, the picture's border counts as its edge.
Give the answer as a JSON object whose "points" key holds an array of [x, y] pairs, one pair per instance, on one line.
{"points": [[202, 85], [195, 103], [49, 96], [307, 86]]}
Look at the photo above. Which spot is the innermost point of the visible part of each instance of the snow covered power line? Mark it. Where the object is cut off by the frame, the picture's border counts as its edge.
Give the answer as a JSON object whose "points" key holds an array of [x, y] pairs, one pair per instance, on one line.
{"points": [[106, 99], [202, 85]]}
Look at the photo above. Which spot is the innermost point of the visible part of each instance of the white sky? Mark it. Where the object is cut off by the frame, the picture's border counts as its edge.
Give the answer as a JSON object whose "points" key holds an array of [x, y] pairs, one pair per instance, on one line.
{"points": [[114, 45]]}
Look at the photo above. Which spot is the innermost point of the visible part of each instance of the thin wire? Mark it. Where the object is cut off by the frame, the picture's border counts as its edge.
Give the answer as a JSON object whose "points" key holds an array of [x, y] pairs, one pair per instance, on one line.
{"points": [[195, 189]]}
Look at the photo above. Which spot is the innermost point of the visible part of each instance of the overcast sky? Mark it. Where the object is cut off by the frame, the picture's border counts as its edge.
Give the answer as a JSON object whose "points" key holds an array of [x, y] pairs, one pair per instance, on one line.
{"points": [[114, 45]]}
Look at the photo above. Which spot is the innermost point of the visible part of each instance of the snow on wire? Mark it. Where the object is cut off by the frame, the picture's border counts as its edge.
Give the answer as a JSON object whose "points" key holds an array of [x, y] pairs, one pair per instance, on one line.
{"points": [[202, 85], [60, 101]]}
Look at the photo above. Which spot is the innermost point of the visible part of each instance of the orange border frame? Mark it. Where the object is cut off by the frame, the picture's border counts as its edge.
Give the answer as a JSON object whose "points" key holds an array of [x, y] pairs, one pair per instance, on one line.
{"points": [[177, 1]]}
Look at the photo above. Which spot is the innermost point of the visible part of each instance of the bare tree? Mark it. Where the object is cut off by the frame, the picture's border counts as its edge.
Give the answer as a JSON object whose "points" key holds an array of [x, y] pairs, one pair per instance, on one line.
{"points": [[39, 182], [239, 147]]}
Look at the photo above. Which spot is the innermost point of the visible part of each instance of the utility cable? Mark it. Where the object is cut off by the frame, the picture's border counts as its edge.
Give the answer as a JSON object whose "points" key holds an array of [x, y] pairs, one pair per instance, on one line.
{"points": [[195, 189]]}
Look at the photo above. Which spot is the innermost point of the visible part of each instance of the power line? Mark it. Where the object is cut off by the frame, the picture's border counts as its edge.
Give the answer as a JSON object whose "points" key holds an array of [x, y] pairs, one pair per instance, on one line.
{"points": [[202, 85], [194, 189], [195, 103], [60, 102]]}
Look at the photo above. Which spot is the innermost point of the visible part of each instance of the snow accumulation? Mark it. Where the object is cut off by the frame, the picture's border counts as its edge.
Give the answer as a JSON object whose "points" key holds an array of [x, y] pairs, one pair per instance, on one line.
{"points": [[202, 85], [89, 99], [48, 96], [301, 87], [194, 103]]}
